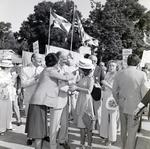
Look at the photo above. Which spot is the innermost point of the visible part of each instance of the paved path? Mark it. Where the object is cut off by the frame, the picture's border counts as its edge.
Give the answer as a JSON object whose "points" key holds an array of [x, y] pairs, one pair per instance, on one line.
{"points": [[17, 139]]}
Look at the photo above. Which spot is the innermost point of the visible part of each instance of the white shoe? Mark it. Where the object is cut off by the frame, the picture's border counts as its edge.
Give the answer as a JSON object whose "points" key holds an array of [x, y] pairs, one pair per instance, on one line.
{"points": [[81, 146]]}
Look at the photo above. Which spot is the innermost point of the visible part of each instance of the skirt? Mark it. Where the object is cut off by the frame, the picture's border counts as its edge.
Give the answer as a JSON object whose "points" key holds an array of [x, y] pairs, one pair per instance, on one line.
{"points": [[36, 124]]}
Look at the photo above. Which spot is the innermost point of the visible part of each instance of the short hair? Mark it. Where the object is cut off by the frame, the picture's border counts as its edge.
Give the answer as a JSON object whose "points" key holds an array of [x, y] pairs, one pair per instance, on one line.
{"points": [[51, 59], [86, 55], [133, 60], [58, 54], [93, 58], [32, 56]]}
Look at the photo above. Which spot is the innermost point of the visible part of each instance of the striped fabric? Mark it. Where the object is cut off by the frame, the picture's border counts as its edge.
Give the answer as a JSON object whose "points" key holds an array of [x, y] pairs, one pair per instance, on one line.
{"points": [[86, 39], [60, 22]]}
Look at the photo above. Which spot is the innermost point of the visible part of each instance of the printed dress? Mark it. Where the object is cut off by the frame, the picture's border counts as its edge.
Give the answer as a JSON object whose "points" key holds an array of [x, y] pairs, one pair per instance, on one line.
{"points": [[84, 100]]}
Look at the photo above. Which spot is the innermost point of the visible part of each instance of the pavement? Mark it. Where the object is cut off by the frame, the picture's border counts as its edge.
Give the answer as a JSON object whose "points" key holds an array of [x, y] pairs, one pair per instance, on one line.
{"points": [[16, 139]]}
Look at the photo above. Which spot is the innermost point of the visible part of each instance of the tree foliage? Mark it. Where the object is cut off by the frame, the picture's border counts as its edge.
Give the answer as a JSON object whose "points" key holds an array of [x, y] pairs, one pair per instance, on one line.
{"points": [[37, 26], [119, 24], [8, 39]]}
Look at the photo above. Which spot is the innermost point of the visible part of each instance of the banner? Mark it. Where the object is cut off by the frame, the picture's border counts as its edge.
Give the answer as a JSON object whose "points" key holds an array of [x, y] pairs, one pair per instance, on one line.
{"points": [[145, 58], [36, 47]]}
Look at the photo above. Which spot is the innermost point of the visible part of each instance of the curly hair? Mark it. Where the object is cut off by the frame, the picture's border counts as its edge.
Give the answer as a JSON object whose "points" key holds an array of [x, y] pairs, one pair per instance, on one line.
{"points": [[51, 59]]}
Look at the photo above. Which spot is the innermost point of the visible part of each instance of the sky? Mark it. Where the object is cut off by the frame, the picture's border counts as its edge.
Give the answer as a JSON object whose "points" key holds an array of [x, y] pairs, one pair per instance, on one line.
{"points": [[16, 11]]}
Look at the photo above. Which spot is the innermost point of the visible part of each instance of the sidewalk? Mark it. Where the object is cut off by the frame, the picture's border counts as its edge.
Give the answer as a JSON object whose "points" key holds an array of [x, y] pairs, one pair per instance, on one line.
{"points": [[17, 139]]}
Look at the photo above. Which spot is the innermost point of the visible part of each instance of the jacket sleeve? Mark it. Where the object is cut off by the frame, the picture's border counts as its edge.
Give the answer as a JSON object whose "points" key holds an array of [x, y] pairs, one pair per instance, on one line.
{"points": [[115, 89], [55, 74], [146, 98], [25, 80]]}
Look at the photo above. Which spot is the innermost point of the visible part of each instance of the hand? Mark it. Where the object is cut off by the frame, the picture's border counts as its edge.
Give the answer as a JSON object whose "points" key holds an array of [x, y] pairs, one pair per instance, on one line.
{"points": [[72, 87], [97, 85], [74, 72], [136, 111]]}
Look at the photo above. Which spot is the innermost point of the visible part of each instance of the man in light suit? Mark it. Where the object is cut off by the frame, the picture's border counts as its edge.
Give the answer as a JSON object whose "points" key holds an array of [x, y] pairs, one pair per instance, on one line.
{"points": [[29, 76], [63, 102], [128, 89]]}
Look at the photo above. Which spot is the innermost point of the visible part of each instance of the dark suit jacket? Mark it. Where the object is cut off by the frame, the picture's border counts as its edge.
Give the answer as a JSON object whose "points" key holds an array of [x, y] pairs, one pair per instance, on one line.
{"points": [[146, 98]]}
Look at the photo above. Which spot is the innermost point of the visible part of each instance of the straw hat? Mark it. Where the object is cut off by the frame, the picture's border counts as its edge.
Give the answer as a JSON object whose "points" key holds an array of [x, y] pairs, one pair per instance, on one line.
{"points": [[85, 63], [6, 61]]}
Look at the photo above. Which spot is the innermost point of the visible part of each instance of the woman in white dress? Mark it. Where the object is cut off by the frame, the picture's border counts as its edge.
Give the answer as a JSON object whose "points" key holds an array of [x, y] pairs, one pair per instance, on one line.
{"points": [[5, 95], [108, 128]]}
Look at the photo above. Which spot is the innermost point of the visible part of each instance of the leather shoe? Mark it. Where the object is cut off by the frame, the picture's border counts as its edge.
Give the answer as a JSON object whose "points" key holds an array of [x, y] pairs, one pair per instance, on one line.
{"points": [[1, 133], [29, 142], [65, 145], [47, 138], [19, 123]]}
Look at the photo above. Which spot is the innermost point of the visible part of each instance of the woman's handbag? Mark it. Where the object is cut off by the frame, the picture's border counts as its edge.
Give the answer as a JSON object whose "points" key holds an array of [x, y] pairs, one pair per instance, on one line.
{"points": [[96, 93], [89, 120], [111, 104]]}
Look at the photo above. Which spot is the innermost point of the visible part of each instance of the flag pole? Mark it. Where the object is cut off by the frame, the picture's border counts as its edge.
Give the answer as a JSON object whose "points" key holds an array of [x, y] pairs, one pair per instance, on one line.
{"points": [[49, 32], [72, 28]]}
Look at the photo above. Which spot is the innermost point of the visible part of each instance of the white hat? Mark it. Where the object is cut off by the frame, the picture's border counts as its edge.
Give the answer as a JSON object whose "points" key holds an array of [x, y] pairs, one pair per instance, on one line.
{"points": [[6, 61], [85, 63]]}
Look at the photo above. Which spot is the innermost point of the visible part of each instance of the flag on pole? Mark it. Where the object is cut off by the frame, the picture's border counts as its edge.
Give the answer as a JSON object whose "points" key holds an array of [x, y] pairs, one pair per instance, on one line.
{"points": [[60, 22], [86, 39], [90, 40]]}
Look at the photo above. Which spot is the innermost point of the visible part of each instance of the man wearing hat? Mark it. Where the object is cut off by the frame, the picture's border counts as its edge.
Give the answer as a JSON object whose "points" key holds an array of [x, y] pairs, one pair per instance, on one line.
{"points": [[6, 84]]}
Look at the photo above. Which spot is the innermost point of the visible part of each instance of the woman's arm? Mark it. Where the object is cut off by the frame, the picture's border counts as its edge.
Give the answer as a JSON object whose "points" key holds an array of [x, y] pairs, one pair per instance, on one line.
{"points": [[57, 75], [87, 90], [106, 84]]}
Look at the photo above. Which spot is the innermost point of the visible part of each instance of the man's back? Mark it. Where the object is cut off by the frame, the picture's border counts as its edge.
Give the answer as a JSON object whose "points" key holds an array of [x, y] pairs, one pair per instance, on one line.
{"points": [[129, 88]]}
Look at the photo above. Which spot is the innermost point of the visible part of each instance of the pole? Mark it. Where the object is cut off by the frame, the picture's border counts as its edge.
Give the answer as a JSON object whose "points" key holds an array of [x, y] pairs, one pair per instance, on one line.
{"points": [[49, 32], [72, 28]]}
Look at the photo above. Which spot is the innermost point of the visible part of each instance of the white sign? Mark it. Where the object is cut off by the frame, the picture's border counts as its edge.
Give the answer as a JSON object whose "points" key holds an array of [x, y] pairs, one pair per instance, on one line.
{"points": [[36, 47], [145, 58], [125, 54]]}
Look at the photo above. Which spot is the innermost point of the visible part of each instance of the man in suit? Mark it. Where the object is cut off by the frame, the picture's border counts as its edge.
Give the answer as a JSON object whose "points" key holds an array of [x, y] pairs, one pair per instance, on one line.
{"points": [[63, 101], [128, 89], [29, 76]]}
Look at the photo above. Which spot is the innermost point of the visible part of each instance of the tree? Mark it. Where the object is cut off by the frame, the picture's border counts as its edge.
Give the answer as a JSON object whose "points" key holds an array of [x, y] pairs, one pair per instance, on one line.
{"points": [[118, 24], [7, 39], [37, 26]]}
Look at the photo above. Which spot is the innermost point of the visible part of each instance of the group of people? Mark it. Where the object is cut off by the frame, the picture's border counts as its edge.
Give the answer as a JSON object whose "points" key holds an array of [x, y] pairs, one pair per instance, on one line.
{"points": [[9, 94], [65, 90]]}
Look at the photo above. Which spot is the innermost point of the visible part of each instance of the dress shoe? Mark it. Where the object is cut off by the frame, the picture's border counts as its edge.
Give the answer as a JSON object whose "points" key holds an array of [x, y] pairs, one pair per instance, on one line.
{"points": [[65, 145], [29, 142], [19, 123], [109, 143], [10, 129], [1, 133], [81, 146], [47, 138]]}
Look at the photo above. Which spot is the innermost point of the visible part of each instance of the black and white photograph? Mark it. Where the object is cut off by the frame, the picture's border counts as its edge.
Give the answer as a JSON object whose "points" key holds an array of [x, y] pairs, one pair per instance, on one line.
{"points": [[74, 74]]}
